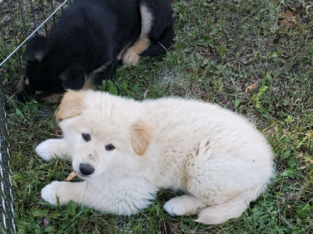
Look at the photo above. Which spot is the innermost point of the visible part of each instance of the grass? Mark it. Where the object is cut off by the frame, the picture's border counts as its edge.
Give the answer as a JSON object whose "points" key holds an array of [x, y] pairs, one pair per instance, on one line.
{"points": [[221, 48]]}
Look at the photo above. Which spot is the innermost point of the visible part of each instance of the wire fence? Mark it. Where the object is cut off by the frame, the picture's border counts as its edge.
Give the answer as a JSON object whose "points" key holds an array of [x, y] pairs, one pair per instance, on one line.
{"points": [[19, 21], [7, 223]]}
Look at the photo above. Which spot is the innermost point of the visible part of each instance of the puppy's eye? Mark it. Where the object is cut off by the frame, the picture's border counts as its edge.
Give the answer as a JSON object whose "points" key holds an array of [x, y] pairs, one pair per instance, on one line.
{"points": [[109, 147], [86, 137]]}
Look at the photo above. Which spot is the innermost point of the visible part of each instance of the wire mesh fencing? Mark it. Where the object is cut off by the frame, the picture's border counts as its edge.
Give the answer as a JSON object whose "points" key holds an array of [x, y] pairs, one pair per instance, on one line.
{"points": [[7, 224], [19, 21]]}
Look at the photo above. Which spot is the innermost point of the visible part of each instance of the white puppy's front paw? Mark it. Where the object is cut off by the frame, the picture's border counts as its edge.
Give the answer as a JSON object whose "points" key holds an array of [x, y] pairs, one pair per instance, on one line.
{"points": [[51, 148], [44, 150], [50, 192]]}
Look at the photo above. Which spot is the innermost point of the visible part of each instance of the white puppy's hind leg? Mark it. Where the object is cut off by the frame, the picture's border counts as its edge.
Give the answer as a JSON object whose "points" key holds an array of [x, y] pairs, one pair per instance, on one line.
{"points": [[184, 205], [52, 148], [222, 213], [232, 209]]}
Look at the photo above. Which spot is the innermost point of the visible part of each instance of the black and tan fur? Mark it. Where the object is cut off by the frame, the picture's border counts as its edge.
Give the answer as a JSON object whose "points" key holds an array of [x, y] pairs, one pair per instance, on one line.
{"points": [[88, 42]]}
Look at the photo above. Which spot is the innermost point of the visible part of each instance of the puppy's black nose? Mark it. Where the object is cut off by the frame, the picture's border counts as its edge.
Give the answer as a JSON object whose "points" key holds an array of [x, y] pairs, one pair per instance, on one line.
{"points": [[86, 169]]}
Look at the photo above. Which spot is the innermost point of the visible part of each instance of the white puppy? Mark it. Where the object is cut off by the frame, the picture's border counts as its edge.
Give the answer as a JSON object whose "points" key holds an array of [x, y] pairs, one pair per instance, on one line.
{"points": [[127, 150]]}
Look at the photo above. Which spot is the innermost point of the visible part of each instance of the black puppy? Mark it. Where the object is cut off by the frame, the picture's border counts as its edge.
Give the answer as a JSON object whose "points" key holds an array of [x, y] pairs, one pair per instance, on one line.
{"points": [[89, 40]]}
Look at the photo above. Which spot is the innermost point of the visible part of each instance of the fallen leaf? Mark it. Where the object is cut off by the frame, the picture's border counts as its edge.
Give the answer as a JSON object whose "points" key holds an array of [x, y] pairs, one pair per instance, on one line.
{"points": [[251, 87], [71, 176], [288, 15], [190, 70], [288, 20]]}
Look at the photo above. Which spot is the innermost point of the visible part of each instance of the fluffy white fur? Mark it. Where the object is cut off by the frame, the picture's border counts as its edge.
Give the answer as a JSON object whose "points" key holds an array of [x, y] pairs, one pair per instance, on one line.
{"points": [[215, 156]]}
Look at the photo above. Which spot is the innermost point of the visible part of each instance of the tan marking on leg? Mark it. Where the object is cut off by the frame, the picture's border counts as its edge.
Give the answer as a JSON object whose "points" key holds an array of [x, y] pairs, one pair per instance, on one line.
{"points": [[89, 84], [54, 98], [89, 79], [131, 56], [119, 56]]}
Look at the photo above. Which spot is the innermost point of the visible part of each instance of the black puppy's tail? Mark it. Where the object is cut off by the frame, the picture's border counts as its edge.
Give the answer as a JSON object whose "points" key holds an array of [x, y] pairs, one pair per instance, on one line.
{"points": [[160, 47]]}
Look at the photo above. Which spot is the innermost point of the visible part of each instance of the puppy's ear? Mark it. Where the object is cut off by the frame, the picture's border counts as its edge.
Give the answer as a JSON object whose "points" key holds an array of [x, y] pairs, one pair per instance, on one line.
{"points": [[71, 105], [36, 49], [142, 135]]}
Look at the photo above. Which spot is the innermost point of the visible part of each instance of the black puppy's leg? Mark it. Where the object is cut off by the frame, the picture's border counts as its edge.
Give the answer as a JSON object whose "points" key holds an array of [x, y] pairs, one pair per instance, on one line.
{"points": [[161, 33], [73, 77], [53, 98], [160, 46], [95, 78], [132, 54]]}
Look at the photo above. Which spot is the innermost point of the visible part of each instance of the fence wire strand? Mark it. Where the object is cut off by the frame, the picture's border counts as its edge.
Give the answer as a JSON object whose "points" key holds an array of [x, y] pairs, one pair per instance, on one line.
{"points": [[42, 24]]}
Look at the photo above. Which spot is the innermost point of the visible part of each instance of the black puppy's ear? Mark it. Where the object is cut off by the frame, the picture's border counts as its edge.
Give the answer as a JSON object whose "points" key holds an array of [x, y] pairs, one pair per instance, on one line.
{"points": [[73, 77], [36, 49]]}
